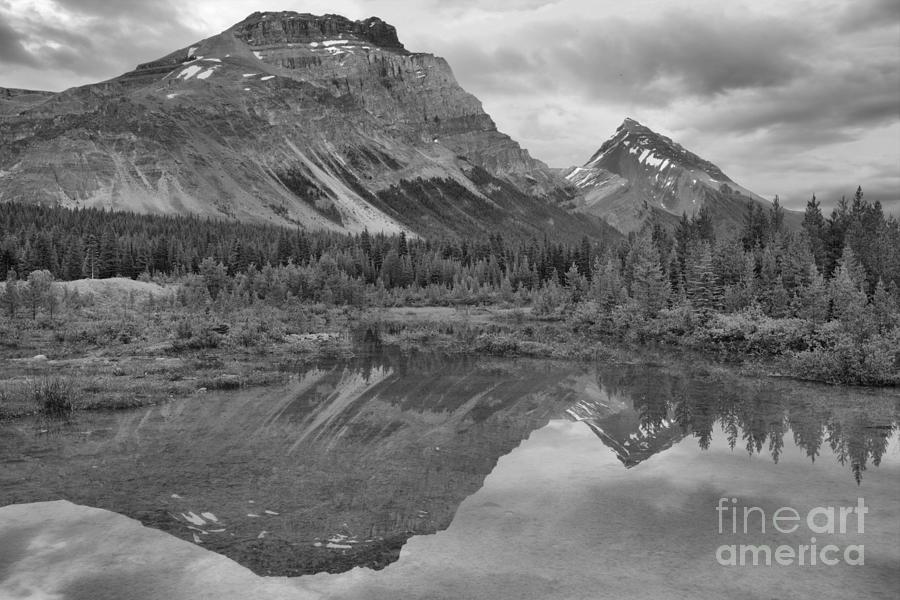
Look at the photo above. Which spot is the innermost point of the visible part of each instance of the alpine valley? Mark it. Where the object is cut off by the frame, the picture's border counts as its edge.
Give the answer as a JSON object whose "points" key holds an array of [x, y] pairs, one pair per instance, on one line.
{"points": [[331, 124]]}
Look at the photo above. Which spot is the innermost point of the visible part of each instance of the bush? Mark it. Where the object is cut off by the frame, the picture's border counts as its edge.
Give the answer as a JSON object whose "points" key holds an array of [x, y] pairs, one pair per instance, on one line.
{"points": [[101, 333], [875, 361], [256, 331], [225, 381], [193, 335], [752, 332], [54, 397], [497, 344]]}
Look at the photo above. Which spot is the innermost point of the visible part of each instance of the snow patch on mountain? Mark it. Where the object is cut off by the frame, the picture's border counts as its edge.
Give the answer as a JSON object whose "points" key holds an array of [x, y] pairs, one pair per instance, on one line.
{"points": [[190, 72]]}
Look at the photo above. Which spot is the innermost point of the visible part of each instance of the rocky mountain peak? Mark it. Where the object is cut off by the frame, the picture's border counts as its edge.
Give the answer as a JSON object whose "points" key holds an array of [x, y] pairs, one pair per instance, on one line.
{"points": [[651, 148], [638, 172], [630, 124], [288, 27]]}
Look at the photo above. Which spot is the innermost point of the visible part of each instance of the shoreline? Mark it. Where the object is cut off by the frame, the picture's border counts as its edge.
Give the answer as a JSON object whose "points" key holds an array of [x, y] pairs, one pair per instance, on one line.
{"points": [[130, 366]]}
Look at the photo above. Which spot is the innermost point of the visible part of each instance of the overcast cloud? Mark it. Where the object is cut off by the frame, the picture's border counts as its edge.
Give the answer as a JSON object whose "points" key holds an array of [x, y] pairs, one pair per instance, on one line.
{"points": [[789, 98]]}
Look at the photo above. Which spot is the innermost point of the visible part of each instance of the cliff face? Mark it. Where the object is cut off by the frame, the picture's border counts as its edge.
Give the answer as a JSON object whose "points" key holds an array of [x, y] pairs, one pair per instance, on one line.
{"points": [[316, 121]]}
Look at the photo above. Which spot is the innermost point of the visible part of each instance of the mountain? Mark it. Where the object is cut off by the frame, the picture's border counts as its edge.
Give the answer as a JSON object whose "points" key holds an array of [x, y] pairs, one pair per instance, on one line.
{"points": [[638, 173], [620, 425], [312, 121]]}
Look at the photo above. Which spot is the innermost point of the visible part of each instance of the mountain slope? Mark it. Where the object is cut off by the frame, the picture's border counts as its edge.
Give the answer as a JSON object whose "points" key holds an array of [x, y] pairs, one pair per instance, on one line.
{"points": [[318, 122], [618, 423], [638, 173]]}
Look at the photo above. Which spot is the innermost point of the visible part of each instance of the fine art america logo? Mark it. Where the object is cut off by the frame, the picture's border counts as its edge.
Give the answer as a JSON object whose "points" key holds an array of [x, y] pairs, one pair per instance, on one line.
{"points": [[752, 521]]}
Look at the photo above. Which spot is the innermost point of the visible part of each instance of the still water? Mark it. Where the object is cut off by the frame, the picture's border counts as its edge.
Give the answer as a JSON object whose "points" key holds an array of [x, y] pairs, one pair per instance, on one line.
{"points": [[540, 479]]}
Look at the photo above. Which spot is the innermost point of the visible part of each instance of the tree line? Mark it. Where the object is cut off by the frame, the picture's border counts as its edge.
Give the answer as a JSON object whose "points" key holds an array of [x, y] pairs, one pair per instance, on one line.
{"points": [[92, 243], [830, 269]]}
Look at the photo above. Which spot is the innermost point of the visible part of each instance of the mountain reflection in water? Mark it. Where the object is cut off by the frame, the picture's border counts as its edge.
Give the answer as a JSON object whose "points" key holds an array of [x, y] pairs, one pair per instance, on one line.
{"points": [[342, 465]]}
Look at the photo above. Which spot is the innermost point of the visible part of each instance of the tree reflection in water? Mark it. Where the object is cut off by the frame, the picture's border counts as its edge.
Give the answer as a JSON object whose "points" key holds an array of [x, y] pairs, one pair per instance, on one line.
{"points": [[855, 424]]}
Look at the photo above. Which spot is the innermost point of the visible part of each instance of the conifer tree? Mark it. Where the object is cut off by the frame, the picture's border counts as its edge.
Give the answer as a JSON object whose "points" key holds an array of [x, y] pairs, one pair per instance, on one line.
{"points": [[703, 224], [11, 295], [814, 226], [813, 297], [649, 288], [777, 216], [702, 288], [884, 310], [848, 300]]}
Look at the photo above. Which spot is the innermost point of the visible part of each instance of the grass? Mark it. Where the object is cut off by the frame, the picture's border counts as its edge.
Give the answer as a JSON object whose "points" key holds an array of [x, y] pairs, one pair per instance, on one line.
{"points": [[54, 397]]}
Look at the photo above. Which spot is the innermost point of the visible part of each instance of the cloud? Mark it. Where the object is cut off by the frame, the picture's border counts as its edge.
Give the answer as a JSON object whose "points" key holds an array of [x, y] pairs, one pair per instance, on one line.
{"points": [[88, 39], [653, 62], [466, 6], [826, 105], [872, 14], [11, 49]]}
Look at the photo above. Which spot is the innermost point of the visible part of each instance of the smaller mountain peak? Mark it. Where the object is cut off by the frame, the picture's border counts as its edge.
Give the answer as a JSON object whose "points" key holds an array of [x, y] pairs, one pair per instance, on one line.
{"points": [[630, 125]]}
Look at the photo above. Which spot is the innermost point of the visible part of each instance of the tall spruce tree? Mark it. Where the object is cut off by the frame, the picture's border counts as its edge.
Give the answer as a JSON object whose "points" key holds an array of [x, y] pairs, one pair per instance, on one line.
{"points": [[649, 287], [814, 226]]}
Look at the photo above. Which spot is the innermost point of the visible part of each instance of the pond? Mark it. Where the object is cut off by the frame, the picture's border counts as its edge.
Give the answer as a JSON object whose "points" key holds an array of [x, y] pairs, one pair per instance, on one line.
{"points": [[541, 479]]}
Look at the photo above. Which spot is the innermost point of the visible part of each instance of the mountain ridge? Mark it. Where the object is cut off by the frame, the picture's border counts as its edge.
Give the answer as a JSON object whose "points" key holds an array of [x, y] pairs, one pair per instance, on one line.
{"points": [[287, 118]]}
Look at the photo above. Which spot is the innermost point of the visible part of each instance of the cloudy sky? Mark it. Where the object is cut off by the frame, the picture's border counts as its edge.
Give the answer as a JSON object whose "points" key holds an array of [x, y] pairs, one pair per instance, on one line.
{"points": [[789, 97]]}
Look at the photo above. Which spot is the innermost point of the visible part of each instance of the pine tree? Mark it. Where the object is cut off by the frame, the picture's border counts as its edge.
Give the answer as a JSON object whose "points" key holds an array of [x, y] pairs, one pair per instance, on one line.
{"points": [[365, 242], [814, 226], [73, 260], [215, 277], [848, 300], [884, 310], [813, 297], [745, 293], [649, 288], [702, 288], [836, 229], [703, 225], [777, 216], [9, 254], [728, 260], [796, 258], [606, 284], [756, 227], [584, 258], [770, 286], [11, 295], [38, 291], [90, 264], [576, 283], [108, 261], [851, 264]]}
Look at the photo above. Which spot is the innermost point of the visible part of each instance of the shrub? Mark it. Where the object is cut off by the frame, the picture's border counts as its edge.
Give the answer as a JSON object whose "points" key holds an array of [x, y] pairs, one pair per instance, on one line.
{"points": [[752, 332], [256, 331], [497, 344], [875, 361], [224, 381], [54, 397], [192, 335]]}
